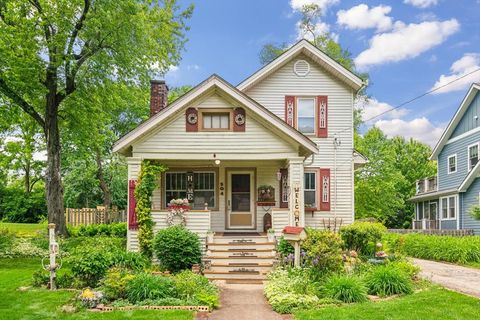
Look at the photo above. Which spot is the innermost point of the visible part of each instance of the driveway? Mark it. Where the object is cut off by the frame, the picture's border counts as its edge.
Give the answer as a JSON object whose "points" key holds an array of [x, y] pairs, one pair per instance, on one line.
{"points": [[244, 302], [461, 279]]}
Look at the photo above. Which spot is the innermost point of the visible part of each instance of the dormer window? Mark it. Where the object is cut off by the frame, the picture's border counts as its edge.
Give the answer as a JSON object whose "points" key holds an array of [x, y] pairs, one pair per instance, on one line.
{"points": [[472, 156], [215, 120]]}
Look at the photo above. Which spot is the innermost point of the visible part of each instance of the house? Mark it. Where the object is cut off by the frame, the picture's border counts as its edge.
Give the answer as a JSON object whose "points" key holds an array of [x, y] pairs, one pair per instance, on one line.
{"points": [[443, 202], [274, 151]]}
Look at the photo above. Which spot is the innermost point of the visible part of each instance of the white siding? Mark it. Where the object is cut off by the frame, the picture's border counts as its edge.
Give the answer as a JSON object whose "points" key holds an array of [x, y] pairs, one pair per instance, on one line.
{"points": [[172, 138], [271, 93], [280, 219]]}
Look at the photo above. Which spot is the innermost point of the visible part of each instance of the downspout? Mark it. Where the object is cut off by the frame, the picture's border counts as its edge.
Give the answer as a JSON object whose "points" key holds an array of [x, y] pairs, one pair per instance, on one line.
{"points": [[336, 144]]}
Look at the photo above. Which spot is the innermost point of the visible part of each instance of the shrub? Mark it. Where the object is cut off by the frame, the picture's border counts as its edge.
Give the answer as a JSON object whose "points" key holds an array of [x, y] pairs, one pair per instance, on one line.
{"points": [[323, 251], [6, 240], [90, 264], [107, 243], [287, 302], [131, 260], [362, 236], [115, 283], [407, 267], [177, 248], [284, 248], [191, 286], [345, 288], [388, 280], [91, 230], [63, 280], [21, 248], [147, 286], [433, 247]]}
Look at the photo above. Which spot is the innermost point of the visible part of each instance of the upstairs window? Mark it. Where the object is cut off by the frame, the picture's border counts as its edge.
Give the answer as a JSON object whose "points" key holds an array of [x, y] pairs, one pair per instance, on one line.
{"points": [[306, 115], [452, 164], [216, 121], [472, 156]]}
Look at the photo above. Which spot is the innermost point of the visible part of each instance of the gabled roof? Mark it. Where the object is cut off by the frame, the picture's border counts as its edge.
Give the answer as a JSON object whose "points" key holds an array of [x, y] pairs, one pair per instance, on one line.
{"points": [[471, 176], [317, 55], [213, 82], [474, 88]]}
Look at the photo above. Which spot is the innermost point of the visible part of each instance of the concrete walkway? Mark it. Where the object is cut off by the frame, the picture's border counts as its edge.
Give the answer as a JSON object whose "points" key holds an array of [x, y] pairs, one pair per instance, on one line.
{"points": [[244, 302], [461, 279]]}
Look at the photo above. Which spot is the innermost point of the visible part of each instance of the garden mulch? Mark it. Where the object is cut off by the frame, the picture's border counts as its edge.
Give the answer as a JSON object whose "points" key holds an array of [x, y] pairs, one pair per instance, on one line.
{"points": [[244, 302], [461, 279]]}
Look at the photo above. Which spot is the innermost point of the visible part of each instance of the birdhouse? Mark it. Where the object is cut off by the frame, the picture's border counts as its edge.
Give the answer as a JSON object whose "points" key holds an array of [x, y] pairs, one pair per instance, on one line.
{"points": [[294, 234]]}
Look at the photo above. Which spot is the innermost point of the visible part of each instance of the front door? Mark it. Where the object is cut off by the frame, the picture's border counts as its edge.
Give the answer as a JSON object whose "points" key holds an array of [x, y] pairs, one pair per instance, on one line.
{"points": [[240, 200]]}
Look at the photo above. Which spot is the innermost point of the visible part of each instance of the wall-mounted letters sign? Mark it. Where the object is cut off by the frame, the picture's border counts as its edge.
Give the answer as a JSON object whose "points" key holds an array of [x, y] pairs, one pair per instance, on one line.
{"points": [[190, 186], [296, 204]]}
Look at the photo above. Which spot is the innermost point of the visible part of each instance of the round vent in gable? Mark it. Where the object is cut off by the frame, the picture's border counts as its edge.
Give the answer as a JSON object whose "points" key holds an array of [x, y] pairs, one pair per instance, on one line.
{"points": [[301, 68]]}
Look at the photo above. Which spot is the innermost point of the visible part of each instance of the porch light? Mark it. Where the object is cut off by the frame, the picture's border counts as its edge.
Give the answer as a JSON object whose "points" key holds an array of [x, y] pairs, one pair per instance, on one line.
{"points": [[279, 175], [217, 162]]}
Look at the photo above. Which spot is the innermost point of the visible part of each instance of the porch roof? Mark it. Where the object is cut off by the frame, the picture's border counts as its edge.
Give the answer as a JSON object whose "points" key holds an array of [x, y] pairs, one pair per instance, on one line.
{"points": [[433, 195], [215, 82]]}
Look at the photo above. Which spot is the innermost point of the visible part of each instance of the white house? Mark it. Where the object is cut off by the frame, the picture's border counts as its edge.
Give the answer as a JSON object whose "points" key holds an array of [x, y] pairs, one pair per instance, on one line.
{"points": [[287, 127]]}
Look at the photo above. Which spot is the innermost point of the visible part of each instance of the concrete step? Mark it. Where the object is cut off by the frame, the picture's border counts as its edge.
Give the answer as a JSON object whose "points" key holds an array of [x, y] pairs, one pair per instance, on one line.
{"points": [[234, 275], [225, 260], [243, 252], [240, 239], [224, 267], [240, 245]]}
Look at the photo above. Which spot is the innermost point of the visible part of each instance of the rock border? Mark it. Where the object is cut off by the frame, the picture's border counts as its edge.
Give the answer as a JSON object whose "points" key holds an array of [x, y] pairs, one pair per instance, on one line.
{"points": [[104, 308]]}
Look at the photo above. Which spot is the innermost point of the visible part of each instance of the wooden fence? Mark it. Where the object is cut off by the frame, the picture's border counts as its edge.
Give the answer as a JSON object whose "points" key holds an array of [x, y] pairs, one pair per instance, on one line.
{"points": [[98, 215], [455, 233]]}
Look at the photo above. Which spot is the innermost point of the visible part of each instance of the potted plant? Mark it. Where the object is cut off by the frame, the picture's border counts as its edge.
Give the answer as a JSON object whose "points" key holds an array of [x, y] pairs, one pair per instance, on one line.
{"points": [[271, 235], [210, 235]]}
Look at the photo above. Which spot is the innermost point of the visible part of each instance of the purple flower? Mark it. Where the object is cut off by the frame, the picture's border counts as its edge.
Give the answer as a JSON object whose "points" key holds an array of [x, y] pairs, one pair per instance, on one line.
{"points": [[303, 253], [315, 261]]}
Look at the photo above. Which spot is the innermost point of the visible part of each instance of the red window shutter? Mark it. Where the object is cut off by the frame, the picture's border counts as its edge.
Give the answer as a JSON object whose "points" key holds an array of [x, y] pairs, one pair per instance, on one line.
{"points": [[290, 111], [322, 116], [132, 215], [324, 186], [284, 188], [191, 120], [239, 120]]}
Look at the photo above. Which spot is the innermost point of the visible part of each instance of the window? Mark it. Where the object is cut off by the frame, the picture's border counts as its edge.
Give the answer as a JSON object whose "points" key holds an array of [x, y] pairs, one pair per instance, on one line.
{"points": [[216, 121], [472, 156], [452, 164], [306, 115], [449, 207], [203, 191], [310, 194], [420, 211]]}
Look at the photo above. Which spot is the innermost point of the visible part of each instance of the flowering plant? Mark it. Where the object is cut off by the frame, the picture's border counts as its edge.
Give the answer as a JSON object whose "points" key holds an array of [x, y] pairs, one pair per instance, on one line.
{"points": [[90, 298], [177, 207]]}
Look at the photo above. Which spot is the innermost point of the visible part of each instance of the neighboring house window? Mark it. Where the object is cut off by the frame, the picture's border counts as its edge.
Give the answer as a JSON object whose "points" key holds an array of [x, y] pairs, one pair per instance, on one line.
{"points": [[306, 115], [472, 156], [204, 188], [420, 211], [452, 164], [216, 121], [310, 193], [449, 207]]}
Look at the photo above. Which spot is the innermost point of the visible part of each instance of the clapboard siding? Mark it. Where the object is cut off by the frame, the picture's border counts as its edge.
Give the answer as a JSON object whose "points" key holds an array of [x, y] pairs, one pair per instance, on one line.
{"points": [[172, 137], [470, 198], [280, 219], [271, 93], [470, 120], [460, 148]]}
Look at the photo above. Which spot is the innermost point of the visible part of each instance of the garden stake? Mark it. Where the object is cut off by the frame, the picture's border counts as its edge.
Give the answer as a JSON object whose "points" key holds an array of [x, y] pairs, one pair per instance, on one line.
{"points": [[53, 251]]}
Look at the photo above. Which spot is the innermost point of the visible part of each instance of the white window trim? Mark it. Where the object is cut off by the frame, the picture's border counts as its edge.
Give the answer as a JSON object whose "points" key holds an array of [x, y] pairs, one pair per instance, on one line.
{"points": [[316, 173], [468, 154], [164, 191], [448, 163], [315, 116], [448, 212]]}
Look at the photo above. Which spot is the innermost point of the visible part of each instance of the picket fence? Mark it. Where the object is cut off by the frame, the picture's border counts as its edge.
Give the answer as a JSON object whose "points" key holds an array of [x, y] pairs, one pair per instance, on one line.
{"points": [[98, 215]]}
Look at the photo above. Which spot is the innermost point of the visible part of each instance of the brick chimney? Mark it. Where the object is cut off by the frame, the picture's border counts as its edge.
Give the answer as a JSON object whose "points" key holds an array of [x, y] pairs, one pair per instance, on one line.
{"points": [[158, 96]]}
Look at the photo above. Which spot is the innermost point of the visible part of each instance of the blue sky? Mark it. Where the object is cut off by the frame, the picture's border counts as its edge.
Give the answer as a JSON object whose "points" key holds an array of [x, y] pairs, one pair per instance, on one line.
{"points": [[407, 46]]}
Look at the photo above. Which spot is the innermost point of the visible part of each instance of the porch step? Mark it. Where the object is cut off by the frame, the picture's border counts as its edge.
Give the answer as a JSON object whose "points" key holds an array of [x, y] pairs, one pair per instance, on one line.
{"points": [[246, 259]]}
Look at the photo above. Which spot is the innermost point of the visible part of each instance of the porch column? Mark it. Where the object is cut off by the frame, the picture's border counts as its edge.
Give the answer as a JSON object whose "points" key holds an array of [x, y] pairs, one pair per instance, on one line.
{"points": [[133, 164], [296, 201]]}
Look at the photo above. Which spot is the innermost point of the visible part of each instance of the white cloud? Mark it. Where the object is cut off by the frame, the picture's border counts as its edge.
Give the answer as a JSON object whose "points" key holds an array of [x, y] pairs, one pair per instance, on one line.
{"points": [[297, 5], [421, 3], [373, 108], [362, 17], [320, 28], [406, 41], [420, 129], [463, 66]]}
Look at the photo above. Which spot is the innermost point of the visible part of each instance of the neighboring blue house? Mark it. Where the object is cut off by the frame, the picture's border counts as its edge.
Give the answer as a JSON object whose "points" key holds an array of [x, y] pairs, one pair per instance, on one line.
{"points": [[443, 202]]}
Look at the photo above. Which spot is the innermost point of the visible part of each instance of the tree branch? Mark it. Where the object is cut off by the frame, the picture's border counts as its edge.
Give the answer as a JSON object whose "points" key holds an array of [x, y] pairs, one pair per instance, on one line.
{"points": [[78, 27], [18, 100]]}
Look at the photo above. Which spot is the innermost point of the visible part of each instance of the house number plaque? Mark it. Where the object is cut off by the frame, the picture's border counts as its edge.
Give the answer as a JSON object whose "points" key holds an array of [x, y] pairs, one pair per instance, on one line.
{"points": [[190, 186]]}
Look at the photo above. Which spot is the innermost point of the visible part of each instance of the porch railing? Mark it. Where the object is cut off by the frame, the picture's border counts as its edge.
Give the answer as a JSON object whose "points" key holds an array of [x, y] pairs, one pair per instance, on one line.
{"points": [[426, 224], [427, 185]]}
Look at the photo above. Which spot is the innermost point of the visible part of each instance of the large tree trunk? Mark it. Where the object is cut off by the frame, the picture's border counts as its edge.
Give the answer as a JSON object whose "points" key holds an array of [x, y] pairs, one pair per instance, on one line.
{"points": [[107, 195]]}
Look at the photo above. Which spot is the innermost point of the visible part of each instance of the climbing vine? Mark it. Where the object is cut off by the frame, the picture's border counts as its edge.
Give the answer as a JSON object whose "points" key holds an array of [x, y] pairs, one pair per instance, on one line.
{"points": [[147, 182]]}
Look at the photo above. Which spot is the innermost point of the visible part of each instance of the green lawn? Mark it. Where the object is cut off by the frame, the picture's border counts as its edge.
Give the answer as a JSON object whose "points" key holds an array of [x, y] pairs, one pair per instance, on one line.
{"points": [[44, 304], [24, 229], [432, 303]]}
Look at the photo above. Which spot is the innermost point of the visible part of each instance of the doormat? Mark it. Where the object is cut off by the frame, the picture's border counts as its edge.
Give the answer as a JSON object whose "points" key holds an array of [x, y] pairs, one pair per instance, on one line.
{"points": [[241, 234]]}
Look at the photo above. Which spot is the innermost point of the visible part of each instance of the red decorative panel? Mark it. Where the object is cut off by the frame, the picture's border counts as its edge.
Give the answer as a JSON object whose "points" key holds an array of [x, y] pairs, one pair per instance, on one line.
{"points": [[290, 111], [239, 120], [324, 184], [284, 188], [132, 215], [322, 116], [191, 120]]}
